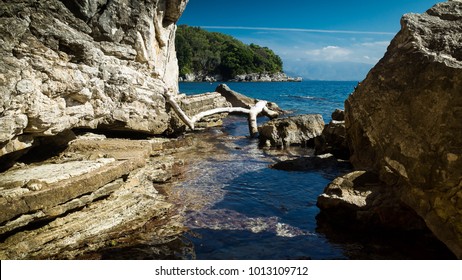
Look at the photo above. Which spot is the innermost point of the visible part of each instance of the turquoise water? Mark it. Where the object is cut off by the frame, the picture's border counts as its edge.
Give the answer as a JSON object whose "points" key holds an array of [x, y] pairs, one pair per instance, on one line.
{"points": [[309, 97], [250, 211]]}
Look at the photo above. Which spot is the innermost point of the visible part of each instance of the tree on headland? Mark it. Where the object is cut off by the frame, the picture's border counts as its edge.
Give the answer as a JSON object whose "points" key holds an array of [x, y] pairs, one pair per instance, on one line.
{"points": [[212, 53]]}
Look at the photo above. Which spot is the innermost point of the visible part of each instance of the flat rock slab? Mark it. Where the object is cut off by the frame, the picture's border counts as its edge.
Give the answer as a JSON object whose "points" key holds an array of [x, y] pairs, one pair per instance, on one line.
{"points": [[49, 173], [98, 193], [89, 229], [40, 187]]}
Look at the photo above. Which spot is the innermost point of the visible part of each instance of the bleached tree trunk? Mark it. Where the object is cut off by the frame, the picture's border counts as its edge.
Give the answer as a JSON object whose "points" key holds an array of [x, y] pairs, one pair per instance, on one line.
{"points": [[253, 112]]}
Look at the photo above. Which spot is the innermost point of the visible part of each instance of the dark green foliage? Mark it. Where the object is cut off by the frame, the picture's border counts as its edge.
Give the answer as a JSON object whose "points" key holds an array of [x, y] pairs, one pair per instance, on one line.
{"points": [[212, 53]]}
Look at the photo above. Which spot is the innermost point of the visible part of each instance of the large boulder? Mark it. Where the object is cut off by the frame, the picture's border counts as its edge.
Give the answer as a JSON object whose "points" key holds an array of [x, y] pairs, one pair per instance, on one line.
{"points": [[404, 120], [85, 64], [298, 130]]}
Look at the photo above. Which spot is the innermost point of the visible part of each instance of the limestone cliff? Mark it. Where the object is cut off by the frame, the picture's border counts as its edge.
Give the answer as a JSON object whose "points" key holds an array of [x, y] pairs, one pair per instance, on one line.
{"points": [[85, 64], [404, 120]]}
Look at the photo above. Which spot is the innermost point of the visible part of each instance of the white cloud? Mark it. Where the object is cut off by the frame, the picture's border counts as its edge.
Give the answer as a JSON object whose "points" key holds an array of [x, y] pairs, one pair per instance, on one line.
{"points": [[329, 53], [299, 30], [307, 53], [376, 44]]}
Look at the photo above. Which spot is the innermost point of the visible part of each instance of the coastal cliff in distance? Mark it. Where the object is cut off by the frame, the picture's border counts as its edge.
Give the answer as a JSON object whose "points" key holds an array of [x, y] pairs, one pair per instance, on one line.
{"points": [[205, 56], [403, 121]]}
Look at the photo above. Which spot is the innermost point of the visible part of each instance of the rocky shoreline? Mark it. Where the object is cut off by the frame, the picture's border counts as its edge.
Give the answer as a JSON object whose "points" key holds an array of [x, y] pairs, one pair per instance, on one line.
{"points": [[94, 195], [73, 68], [254, 77]]}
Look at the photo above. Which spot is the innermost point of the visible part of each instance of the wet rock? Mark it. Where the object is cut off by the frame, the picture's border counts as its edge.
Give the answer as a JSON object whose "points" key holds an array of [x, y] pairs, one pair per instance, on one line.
{"points": [[98, 190], [324, 162], [299, 130], [361, 199], [403, 120]]}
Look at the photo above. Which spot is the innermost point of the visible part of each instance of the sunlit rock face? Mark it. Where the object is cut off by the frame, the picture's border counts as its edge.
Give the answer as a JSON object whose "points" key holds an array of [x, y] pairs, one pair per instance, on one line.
{"points": [[404, 120], [85, 64]]}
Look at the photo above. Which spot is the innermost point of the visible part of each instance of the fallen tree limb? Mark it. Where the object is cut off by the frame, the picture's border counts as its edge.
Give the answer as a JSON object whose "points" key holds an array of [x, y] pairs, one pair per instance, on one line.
{"points": [[253, 112]]}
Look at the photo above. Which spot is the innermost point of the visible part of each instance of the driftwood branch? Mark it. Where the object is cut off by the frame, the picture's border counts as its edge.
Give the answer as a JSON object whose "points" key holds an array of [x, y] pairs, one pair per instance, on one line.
{"points": [[253, 112]]}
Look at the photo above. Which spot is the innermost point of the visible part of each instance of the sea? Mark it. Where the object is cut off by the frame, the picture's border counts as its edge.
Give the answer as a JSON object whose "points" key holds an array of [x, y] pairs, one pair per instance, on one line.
{"points": [[235, 206], [307, 97]]}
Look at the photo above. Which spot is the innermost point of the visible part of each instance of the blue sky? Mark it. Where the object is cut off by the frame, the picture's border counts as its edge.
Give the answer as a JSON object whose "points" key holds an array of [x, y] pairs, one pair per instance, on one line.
{"points": [[319, 40]]}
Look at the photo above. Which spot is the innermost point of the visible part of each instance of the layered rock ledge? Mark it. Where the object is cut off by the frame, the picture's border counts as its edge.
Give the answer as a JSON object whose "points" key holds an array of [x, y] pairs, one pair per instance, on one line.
{"points": [[92, 196]]}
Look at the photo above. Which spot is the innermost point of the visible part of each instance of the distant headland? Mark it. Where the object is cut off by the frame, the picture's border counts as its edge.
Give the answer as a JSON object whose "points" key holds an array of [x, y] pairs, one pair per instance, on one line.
{"points": [[211, 56]]}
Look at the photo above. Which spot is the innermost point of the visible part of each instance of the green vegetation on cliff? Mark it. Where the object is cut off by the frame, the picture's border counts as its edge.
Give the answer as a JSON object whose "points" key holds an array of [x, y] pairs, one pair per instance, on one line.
{"points": [[211, 53]]}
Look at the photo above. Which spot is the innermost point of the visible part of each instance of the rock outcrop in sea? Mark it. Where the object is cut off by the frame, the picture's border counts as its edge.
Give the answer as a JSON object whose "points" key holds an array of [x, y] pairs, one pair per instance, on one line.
{"points": [[296, 130], [403, 123]]}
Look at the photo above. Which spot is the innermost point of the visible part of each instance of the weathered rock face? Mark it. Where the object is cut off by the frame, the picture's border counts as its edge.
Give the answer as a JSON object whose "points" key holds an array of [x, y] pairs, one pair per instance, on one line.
{"points": [[299, 130], [85, 64], [404, 120]]}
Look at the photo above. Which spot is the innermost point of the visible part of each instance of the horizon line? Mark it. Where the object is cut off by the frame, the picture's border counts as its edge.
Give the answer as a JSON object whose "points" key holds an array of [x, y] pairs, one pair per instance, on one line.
{"points": [[297, 30]]}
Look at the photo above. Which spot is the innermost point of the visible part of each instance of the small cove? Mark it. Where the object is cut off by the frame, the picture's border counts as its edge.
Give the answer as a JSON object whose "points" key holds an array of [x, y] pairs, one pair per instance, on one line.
{"points": [[237, 207]]}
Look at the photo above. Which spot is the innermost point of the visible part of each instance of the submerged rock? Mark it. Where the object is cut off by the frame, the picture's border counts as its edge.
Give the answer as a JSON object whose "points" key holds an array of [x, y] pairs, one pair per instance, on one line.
{"points": [[404, 120], [223, 219], [324, 162], [299, 130]]}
